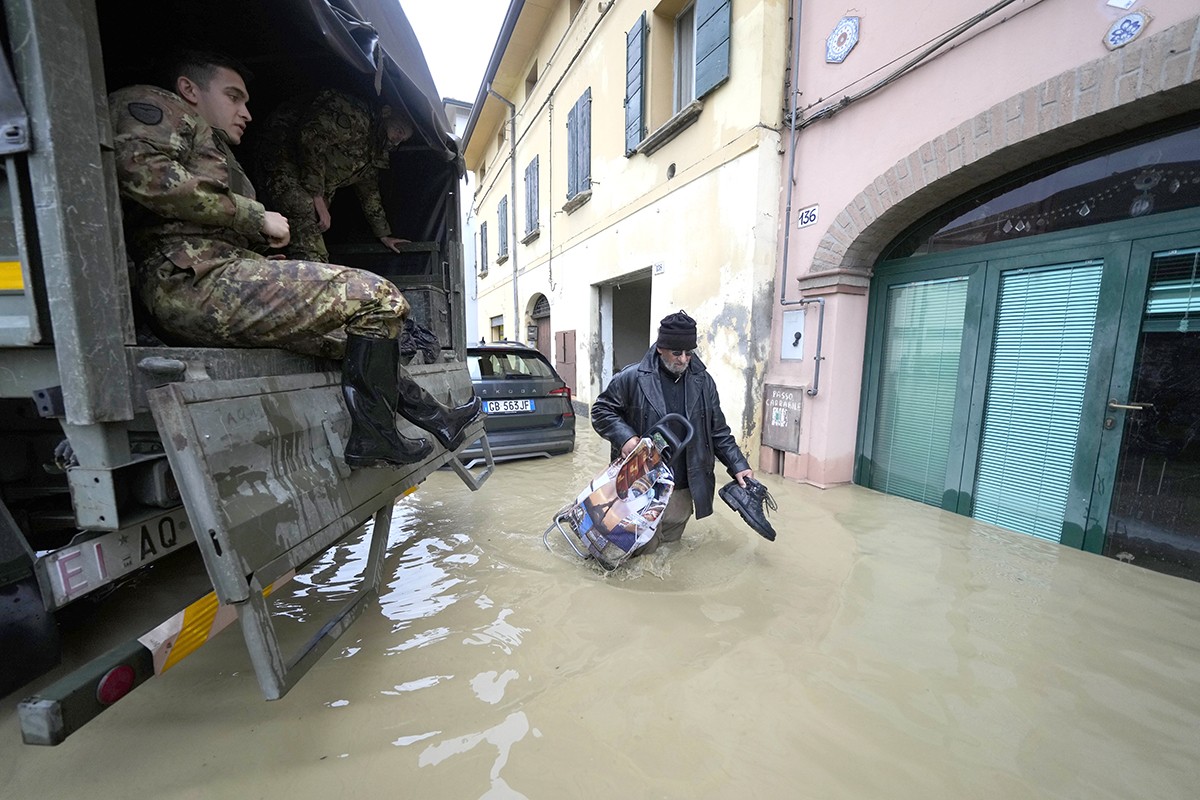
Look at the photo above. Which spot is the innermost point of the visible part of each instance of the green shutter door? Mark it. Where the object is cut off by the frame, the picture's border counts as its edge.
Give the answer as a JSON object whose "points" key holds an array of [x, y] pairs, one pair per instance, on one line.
{"points": [[922, 343], [1042, 345]]}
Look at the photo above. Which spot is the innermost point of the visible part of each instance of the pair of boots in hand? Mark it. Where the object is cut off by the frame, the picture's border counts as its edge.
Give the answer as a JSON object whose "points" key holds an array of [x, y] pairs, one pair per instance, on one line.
{"points": [[375, 392]]}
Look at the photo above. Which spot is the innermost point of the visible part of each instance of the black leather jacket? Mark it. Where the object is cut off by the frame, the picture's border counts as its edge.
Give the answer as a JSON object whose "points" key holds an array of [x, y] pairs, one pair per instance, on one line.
{"points": [[633, 403]]}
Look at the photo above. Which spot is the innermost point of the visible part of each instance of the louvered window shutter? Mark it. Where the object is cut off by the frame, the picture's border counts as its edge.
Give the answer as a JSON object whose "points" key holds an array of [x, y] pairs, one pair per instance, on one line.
{"points": [[483, 253], [573, 151], [531, 196], [635, 77], [712, 45], [502, 226], [579, 145], [585, 141]]}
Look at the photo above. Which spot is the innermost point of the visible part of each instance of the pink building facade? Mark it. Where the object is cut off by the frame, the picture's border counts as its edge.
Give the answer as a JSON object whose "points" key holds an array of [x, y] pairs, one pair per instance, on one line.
{"points": [[963, 179]]}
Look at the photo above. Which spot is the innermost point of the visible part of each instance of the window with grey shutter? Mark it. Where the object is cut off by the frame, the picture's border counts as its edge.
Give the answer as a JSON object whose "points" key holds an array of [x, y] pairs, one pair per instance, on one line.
{"points": [[483, 256], [585, 141], [572, 146], [502, 227], [531, 197], [712, 45], [635, 79], [579, 145]]}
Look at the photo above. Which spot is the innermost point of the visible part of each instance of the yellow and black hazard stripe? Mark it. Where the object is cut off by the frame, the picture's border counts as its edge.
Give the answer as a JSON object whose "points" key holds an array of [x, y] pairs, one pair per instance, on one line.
{"points": [[185, 632], [60, 709]]}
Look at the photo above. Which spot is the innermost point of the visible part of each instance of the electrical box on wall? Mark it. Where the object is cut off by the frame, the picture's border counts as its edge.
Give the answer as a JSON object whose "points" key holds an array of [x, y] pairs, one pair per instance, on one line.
{"points": [[781, 416], [791, 348]]}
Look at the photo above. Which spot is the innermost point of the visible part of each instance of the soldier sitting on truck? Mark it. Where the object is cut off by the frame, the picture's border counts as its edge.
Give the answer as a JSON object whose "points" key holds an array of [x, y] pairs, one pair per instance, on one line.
{"points": [[197, 236], [316, 144]]}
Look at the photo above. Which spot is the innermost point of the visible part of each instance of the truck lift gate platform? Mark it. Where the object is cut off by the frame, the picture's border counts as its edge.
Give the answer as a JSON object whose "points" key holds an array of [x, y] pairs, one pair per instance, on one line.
{"points": [[259, 466]]}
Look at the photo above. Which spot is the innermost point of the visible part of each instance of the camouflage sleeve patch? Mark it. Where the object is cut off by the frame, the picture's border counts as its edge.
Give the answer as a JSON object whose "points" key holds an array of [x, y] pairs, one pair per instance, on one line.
{"points": [[146, 113]]}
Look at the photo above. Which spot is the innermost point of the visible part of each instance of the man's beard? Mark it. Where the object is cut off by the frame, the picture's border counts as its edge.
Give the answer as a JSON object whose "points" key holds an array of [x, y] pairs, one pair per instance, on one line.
{"points": [[672, 367]]}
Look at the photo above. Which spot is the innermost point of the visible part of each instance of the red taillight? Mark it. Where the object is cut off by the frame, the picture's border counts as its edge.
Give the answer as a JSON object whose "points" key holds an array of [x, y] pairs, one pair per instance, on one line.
{"points": [[565, 393]]}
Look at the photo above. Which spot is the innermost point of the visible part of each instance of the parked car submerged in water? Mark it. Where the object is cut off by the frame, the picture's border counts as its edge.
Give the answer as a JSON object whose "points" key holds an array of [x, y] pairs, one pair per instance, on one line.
{"points": [[528, 406]]}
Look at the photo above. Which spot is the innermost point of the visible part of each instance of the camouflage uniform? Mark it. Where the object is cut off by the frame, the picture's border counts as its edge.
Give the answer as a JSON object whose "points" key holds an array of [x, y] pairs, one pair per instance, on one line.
{"points": [[195, 230], [313, 146]]}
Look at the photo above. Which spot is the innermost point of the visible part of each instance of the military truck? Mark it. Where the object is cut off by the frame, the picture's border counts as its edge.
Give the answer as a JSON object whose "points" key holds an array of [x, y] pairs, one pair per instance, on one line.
{"points": [[120, 448]]}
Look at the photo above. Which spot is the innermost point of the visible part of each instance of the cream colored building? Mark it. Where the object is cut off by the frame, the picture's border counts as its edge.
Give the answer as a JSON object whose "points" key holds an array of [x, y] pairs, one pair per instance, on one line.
{"points": [[646, 139], [458, 113], [997, 206]]}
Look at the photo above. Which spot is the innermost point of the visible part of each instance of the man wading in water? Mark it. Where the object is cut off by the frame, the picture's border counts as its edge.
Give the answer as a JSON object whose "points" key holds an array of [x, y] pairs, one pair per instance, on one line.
{"points": [[671, 378]]}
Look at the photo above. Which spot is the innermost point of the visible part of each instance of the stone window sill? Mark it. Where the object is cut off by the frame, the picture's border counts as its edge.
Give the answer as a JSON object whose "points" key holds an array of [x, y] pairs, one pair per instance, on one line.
{"points": [[500, 259], [578, 200], [533, 234], [671, 128]]}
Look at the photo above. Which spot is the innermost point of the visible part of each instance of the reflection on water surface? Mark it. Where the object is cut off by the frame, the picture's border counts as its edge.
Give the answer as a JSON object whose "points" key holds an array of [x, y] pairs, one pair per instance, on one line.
{"points": [[878, 648]]}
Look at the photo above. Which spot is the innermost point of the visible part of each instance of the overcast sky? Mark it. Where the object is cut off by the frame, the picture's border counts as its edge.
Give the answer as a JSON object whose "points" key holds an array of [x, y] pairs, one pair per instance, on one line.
{"points": [[457, 37]]}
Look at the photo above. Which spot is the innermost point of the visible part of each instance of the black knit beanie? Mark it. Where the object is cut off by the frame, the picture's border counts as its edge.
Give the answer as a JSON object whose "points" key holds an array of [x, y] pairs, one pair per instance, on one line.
{"points": [[677, 332]]}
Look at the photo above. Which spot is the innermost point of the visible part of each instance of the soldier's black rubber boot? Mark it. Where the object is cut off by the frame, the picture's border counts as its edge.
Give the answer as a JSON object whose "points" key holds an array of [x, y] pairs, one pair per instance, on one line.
{"points": [[748, 503], [369, 388], [448, 425]]}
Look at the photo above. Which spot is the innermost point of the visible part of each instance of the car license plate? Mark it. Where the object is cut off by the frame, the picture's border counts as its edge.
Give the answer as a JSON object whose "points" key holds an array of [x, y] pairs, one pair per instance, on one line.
{"points": [[509, 406]]}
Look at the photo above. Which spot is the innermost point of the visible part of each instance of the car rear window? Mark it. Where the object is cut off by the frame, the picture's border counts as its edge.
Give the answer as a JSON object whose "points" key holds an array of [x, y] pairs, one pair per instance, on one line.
{"points": [[507, 365]]}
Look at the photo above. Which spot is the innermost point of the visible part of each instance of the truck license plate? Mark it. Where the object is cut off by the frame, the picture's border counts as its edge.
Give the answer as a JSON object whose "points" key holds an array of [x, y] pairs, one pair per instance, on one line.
{"points": [[509, 406], [83, 567]]}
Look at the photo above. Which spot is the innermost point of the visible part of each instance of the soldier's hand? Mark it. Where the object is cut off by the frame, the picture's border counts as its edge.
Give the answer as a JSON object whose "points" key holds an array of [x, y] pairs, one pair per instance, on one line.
{"points": [[392, 243], [322, 209], [275, 227], [742, 476], [630, 443]]}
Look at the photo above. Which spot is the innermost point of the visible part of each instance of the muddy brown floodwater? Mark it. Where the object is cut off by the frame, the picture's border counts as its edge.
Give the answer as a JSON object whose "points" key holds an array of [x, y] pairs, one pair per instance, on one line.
{"points": [[879, 648]]}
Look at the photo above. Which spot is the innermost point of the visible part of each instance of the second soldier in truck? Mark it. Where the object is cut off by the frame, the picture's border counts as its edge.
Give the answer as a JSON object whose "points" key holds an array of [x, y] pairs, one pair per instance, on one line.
{"points": [[317, 144]]}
